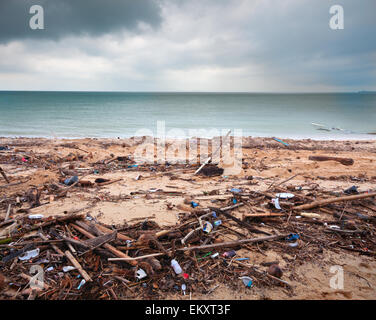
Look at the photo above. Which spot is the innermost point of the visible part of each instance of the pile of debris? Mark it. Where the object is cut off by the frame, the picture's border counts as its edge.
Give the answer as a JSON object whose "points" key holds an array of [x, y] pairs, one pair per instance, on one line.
{"points": [[75, 257]]}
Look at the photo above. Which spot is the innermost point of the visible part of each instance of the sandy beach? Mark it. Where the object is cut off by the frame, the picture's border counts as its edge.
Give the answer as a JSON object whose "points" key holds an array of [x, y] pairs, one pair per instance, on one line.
{"points": [[162, 193]]}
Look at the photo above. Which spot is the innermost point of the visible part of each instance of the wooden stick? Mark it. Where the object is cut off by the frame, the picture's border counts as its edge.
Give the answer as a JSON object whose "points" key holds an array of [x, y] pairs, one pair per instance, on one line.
{"points": [[226, 244], [108, 182], [344, 161], [77, 265], [333, 200], [4, 175], [265, 214], [242, 223], [213, 154], [115, 251], [137, 258], [8, 212]]}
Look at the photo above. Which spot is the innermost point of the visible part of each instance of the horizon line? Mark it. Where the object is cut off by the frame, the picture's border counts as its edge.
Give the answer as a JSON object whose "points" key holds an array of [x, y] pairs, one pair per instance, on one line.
{"points": [[217, 92]]}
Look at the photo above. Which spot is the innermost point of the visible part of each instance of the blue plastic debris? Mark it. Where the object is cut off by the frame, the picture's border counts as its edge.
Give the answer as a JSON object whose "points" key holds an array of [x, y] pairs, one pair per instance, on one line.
{"points": [[292, 236], [248, 282], [234, 201], [217, 223], [71, 180], [280, 141], [194, 204], [236, 190]]}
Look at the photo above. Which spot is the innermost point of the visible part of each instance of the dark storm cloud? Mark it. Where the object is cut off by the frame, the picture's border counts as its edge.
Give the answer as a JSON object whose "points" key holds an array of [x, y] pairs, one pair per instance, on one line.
{"points": [[75, 17]]}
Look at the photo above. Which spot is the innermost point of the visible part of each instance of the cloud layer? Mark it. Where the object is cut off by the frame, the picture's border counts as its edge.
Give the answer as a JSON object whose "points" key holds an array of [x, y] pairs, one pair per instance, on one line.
{"points": [[189, 45]]}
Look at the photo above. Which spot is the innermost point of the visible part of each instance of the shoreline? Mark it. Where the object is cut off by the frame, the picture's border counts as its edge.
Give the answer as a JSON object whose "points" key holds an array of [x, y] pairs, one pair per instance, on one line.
{"points": [[355, 137]]}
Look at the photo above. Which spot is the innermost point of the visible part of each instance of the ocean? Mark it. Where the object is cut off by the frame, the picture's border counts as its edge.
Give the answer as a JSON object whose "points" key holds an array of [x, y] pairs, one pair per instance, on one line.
{"points": [[338, 116]]}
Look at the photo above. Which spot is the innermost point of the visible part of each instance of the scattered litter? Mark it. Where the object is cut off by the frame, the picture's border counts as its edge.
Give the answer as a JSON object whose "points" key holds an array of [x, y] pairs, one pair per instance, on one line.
{"points": [[68, 268], [175, 265], [194, 204], [81, 284], [285, 195], [141, 274], [352, 190], [29, 255], [71, 180], [207, 227], [276, 203], [248, 281], [229, 254]]}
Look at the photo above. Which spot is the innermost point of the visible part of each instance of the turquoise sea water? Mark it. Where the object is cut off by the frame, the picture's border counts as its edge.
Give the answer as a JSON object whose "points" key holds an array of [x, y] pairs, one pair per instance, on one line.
{"points": [[122, 114]]}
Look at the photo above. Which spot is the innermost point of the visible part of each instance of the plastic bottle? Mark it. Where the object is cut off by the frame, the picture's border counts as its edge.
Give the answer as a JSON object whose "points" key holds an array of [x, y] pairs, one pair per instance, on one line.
{"points": [[175, 265]]}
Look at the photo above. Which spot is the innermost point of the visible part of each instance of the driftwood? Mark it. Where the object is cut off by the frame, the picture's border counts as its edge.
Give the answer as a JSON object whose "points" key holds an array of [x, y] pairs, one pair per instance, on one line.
{"points": [[344, 161], [112, 249], [333, 200]]}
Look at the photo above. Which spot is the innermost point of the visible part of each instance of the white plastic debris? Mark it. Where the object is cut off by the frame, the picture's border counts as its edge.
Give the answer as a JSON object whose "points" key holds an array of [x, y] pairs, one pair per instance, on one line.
{"points": [[36, 216], [68, 268], [140, 274], [276, 203], [175, 265], [49, 269], [285, 195], [334, 227], [294, 244], [207, 227], [29, 254]]}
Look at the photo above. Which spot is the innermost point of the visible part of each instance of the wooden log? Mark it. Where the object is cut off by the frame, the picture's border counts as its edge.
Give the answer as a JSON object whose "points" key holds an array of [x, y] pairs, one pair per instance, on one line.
{"points": [[344, 161], [112, 249], [77, 265], [333, 200]]}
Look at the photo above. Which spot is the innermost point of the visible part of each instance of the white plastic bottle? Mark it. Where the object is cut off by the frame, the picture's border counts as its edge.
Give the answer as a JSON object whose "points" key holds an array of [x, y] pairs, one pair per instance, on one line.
{"points": [[175, 265]]}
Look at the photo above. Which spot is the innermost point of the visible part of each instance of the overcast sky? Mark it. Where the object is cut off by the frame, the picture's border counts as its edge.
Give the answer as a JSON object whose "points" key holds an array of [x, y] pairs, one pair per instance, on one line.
{"points": [[188, 45]]}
